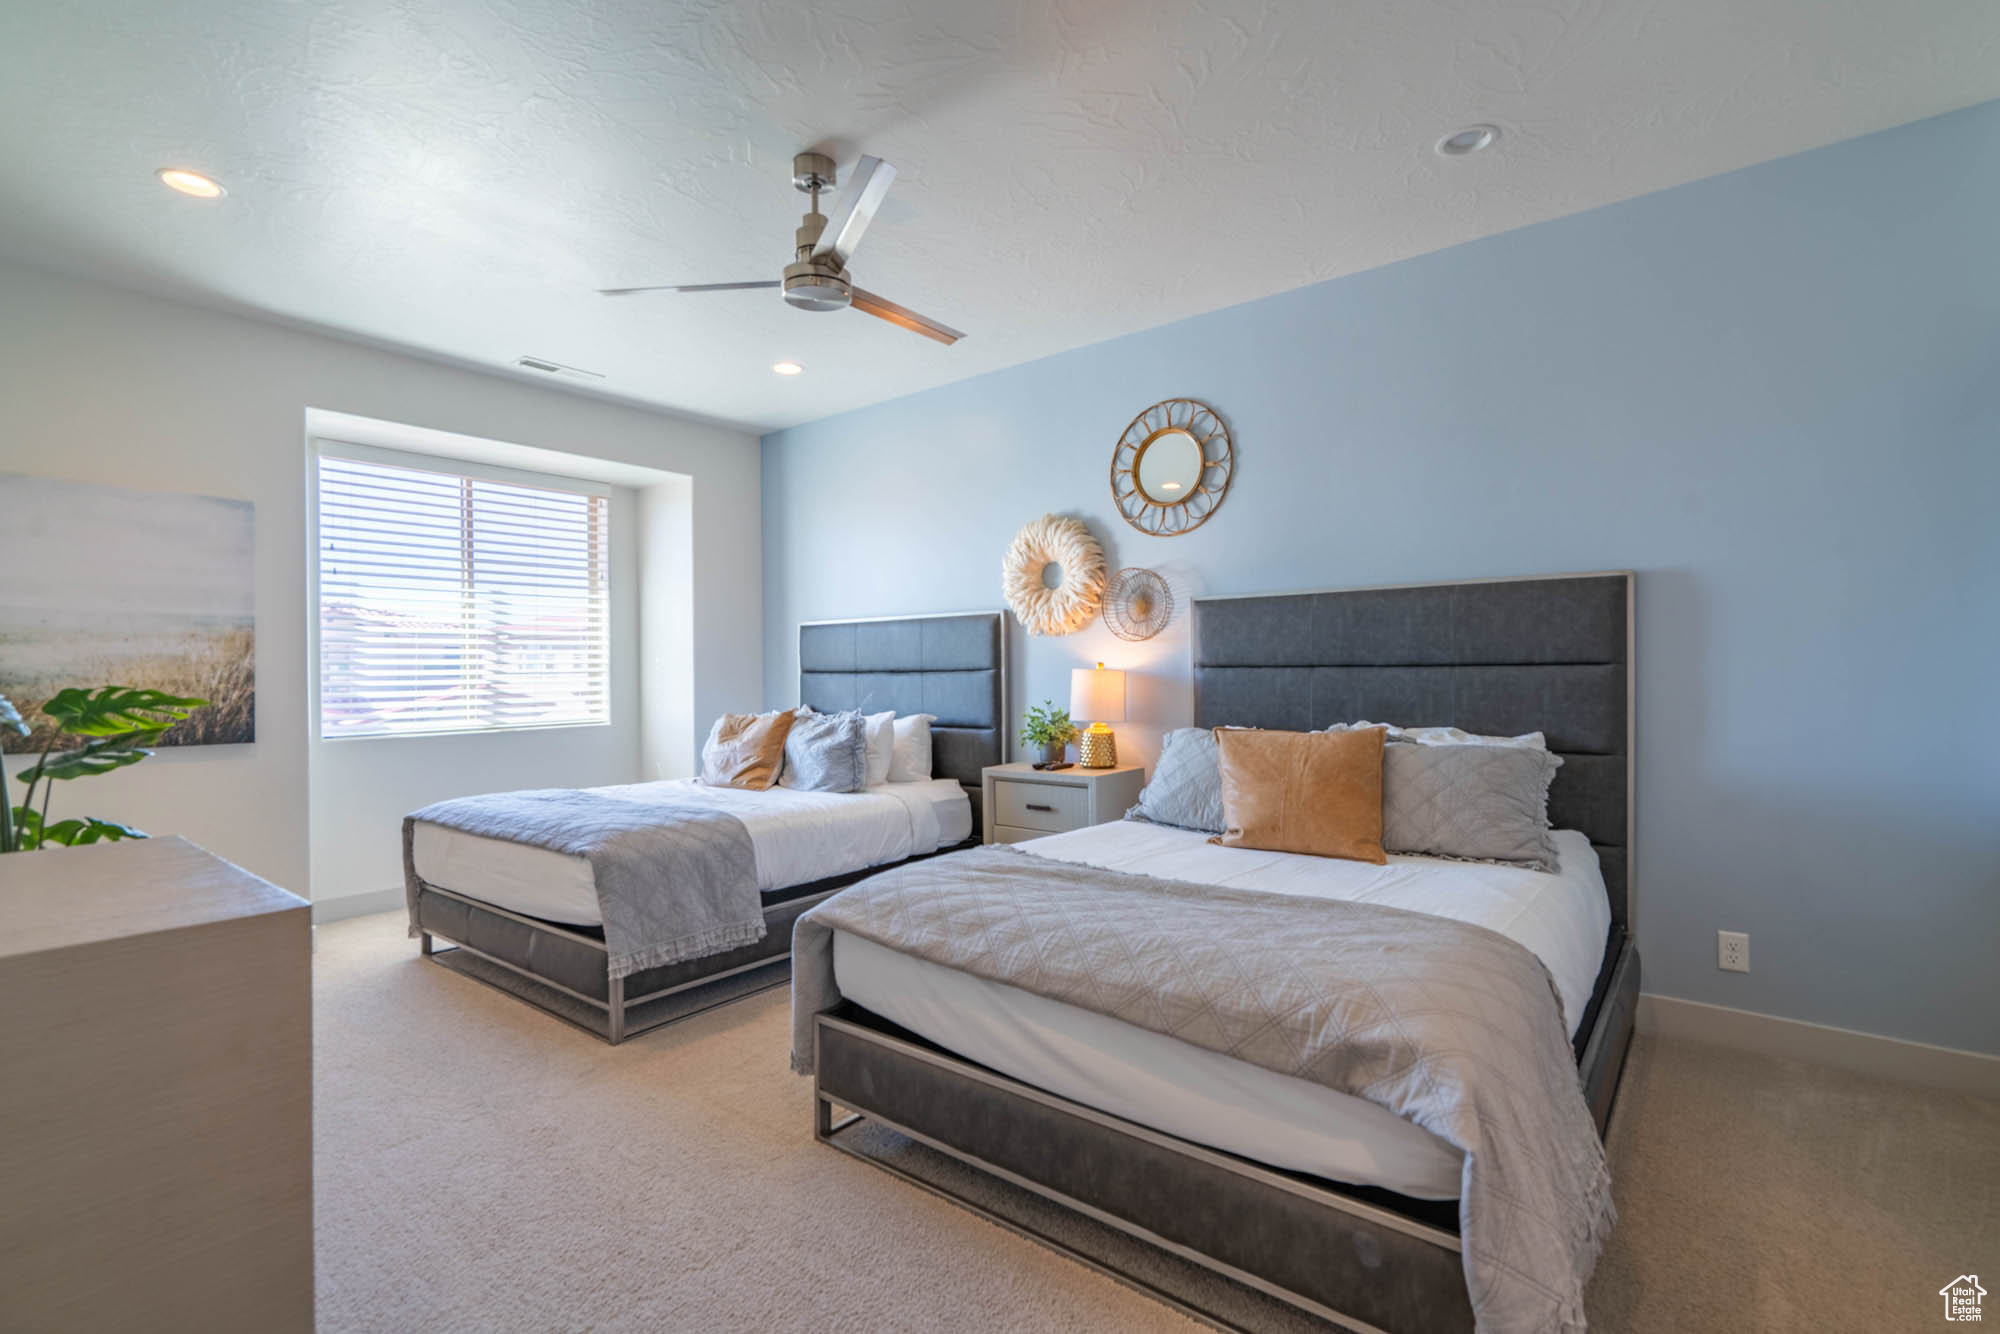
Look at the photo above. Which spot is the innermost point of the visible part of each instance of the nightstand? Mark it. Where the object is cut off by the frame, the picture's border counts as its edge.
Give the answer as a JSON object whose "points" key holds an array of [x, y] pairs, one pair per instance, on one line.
{"points": [[1023, 802]]}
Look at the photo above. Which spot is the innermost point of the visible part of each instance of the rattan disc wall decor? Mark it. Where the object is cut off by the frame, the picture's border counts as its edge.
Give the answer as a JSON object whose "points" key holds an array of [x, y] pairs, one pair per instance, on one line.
{"points": [[1069, 604], [1138, 604], [1171, 468]]}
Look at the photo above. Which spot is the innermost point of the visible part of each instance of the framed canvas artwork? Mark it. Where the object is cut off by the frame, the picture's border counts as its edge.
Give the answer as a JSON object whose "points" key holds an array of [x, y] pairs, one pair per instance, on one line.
{"points": [[109, 585]]}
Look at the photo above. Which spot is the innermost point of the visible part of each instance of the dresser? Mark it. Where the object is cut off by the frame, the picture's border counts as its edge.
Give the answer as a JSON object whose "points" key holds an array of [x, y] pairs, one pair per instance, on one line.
{"points": [[155, 1093], [1024, 802]]}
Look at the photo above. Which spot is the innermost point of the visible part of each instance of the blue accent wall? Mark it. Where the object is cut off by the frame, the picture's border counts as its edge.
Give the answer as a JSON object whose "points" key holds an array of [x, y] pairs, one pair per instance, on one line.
{"points": [[1775, 394]]}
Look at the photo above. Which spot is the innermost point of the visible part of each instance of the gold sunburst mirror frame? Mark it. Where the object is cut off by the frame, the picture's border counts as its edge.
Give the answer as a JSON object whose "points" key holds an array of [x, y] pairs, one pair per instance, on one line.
{"points": [[1172, 467]]}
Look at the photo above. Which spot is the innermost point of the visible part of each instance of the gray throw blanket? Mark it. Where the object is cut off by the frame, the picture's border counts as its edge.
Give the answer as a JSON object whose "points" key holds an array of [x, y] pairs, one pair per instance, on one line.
{"points": [[1448, 1025], [676, 879]]}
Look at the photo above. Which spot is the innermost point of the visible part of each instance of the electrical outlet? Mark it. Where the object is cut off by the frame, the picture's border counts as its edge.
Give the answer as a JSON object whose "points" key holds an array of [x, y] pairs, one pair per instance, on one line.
{"points": [[1732, 951]]}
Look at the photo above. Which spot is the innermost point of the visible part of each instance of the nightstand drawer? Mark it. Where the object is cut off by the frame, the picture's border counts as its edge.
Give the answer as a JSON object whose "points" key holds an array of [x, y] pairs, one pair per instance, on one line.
{"points": [[1041, 806], [1006, 833]]}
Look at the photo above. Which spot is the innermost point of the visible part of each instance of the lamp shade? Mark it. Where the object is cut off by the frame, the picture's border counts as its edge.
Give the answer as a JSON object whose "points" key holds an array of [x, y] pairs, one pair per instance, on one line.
{"points": [[1097, 694]]}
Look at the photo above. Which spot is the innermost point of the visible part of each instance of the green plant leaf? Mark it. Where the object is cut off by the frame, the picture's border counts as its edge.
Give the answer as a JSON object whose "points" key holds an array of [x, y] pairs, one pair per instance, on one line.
{"points": [[99, 755], [10, 717], [90, 829], [118, 710], [1046, 725], [27, 829]]}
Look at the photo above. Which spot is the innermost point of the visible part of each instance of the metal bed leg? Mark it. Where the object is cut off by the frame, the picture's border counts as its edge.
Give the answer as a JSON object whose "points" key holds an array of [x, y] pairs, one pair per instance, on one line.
{"points": [[617, 1034], [825, 1127], [427, 943]]}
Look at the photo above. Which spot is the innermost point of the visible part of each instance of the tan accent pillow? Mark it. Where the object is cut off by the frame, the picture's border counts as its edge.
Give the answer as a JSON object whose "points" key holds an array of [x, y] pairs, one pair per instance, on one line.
{"points": [[746, 750], [1319, 793]]}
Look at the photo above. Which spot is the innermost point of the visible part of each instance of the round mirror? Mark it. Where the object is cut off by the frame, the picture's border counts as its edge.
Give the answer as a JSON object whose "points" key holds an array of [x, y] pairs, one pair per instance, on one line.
{"points": [[1171, 467], [1168, 469]]}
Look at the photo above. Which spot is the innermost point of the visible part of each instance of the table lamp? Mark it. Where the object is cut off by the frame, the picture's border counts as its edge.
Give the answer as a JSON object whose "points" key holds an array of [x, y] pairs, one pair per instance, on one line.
{"points": [[1097, 693]]}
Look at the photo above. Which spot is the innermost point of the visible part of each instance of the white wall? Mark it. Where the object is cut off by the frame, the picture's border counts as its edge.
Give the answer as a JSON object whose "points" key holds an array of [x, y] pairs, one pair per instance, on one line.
{"points": [[101, 384], [666, 561]]}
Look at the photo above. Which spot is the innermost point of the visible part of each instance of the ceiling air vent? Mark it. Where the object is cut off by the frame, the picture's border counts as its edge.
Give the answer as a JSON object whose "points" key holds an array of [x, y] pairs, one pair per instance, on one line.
{"points": [[547, 367]]}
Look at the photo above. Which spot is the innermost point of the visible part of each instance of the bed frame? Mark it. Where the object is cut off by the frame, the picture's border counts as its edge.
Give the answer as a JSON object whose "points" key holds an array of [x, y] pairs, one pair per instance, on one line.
{"points": [[1494, 656], [953, 666]]}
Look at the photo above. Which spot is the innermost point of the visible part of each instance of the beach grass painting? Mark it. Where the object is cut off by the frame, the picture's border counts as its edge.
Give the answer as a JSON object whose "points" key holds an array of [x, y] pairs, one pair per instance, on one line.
{"points": [[109, 585]]}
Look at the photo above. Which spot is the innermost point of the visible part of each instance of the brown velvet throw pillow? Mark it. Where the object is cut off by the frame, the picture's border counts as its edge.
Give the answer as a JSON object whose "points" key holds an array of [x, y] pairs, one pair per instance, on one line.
{"points": [[746, 750], [1319, 793]]}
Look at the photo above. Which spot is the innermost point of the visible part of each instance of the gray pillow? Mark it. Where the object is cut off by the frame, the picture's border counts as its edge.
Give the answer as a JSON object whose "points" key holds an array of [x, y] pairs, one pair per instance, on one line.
{"points": [[826, 752], [1476, 803], [1186, 790]]}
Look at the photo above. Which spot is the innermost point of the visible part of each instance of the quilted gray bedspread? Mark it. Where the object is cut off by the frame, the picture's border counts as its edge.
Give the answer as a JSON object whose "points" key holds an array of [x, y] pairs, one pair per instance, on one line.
{"points": [[675, 879], [1449, 1025]]}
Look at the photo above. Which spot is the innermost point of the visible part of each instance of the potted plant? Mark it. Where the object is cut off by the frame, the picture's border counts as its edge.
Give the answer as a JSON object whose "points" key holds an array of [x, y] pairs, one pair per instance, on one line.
{"points": [[116, 724], [1047, 729]]}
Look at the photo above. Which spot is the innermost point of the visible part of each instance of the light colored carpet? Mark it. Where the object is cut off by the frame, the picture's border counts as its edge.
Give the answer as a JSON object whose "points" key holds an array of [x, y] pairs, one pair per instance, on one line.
{"points": [[483, 1167]]}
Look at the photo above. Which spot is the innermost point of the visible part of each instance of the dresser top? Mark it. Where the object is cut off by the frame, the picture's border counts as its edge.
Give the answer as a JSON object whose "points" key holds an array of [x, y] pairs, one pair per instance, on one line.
{"points": [[59, 897]]}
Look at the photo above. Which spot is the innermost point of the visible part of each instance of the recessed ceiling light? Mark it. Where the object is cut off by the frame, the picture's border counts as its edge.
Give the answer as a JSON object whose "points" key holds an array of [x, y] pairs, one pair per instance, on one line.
{"points": [[1468, 140], [786, 367], [190, 183]]}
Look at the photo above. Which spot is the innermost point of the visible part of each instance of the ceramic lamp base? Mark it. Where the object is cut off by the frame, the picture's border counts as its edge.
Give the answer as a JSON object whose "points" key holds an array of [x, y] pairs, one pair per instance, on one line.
{"points": [[1097, 750]]}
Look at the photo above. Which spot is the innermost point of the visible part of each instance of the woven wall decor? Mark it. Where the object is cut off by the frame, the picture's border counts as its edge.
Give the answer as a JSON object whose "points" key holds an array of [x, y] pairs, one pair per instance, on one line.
{"points": [[1137, 604], [1067, 607]]}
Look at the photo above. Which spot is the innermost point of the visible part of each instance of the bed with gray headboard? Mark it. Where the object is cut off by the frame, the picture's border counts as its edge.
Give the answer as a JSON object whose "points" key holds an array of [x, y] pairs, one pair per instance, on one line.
{"points": [[1499, 657], [953, 667], [1552, 655]]}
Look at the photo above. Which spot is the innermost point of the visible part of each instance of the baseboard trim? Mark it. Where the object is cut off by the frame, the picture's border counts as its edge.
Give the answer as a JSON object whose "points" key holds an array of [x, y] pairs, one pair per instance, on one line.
{"points": [[1843, 1048], [356, 905]]}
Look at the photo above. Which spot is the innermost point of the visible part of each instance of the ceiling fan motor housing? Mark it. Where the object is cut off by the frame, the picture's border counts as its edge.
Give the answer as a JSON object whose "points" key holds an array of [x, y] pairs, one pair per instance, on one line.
{"points": [[810, 283], [815, 286]]}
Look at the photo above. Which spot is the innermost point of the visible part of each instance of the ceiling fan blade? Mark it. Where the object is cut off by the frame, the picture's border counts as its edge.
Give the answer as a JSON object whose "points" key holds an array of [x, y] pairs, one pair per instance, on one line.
{"points": [[902, 316], [685, 287], [865, 189]]}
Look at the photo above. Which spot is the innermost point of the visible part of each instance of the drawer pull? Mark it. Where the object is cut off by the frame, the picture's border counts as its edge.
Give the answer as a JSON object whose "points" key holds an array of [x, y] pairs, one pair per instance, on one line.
{"points": [[1033, 807]]}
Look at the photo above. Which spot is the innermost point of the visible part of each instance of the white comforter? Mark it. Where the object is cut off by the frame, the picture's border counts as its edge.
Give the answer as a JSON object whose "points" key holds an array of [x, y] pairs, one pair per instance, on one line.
{"points": [[797, 836], [1209, 1098]]}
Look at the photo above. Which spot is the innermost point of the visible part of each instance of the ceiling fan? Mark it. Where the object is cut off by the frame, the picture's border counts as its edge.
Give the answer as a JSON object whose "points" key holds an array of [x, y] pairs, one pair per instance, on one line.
{"points": [[817, 277]]}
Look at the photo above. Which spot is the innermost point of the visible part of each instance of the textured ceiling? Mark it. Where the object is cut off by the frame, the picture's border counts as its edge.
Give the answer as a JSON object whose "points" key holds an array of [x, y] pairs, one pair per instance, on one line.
{"points": [[457, 177]]}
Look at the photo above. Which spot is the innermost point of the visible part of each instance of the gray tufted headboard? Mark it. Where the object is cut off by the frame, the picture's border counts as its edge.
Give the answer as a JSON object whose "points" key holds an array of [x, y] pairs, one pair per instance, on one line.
{"points": [[1501, 656], [954, 666]]}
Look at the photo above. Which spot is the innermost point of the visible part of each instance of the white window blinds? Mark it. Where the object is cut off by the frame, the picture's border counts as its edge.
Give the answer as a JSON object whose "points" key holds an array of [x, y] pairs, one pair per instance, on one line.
{"points": [[457, 604]]}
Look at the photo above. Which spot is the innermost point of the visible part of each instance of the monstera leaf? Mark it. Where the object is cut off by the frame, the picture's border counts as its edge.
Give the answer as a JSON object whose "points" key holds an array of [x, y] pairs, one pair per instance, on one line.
{"points": [[100, 755], [117, 710], [90, 829], [117, 724], [30, 832]]}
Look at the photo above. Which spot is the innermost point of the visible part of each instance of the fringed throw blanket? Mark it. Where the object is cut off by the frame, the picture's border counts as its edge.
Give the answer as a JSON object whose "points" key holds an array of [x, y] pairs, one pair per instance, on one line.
{"points": [[675, 879], [1451, 1026]]}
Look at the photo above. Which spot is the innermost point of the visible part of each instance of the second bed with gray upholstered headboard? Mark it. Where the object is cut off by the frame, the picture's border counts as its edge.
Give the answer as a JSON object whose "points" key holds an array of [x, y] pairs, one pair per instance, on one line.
{"points": [[1500, 656], [1343, 1241]]}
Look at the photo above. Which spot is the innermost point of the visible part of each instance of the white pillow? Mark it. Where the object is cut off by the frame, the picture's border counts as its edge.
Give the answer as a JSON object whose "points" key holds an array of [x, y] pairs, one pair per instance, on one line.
{"points": [[912, 760], [1447, 736], [882, 745]]}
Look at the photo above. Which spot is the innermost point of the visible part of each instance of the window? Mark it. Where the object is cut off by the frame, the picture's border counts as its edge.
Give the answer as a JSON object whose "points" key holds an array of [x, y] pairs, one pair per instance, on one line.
{"points": [[458, 604]]}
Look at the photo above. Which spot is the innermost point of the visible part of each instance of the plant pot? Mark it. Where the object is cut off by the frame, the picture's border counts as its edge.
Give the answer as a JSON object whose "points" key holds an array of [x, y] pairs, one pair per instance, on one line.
{"points": [[1052, 752]]}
